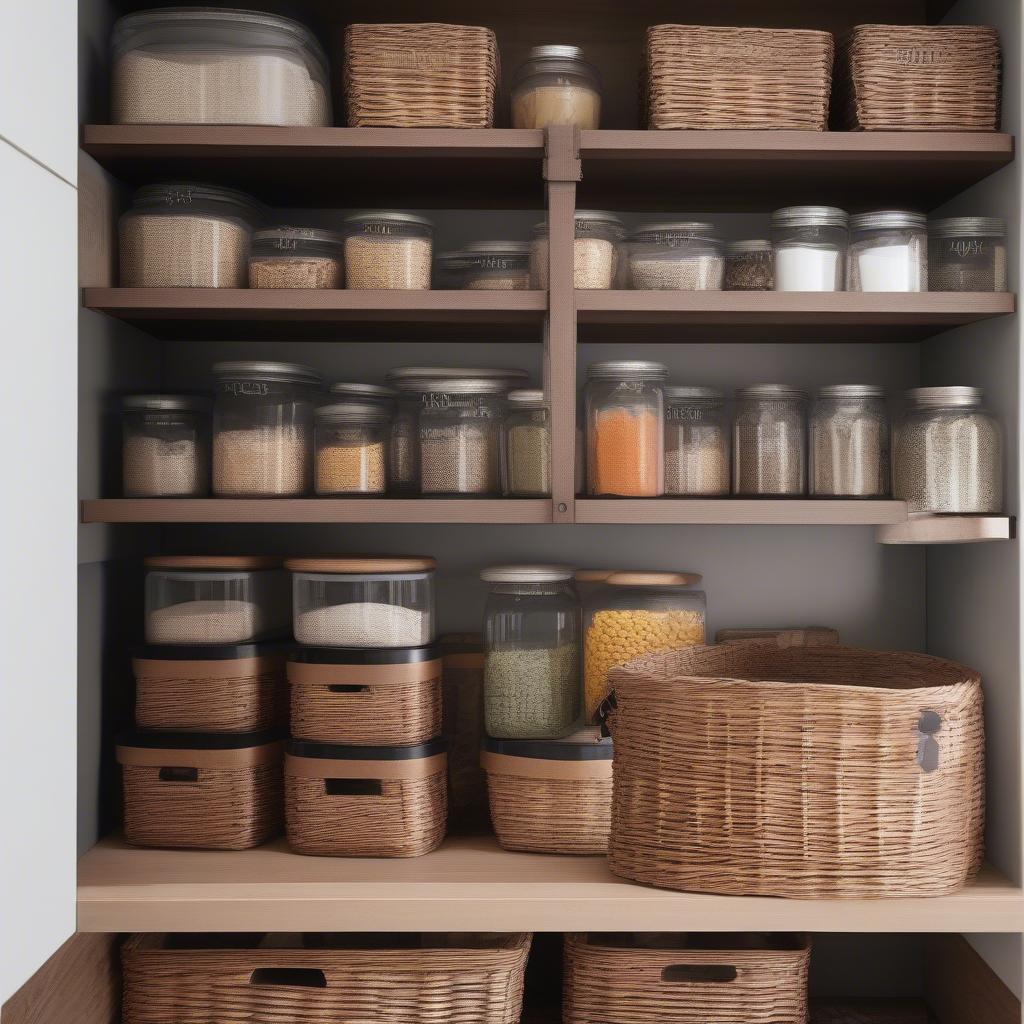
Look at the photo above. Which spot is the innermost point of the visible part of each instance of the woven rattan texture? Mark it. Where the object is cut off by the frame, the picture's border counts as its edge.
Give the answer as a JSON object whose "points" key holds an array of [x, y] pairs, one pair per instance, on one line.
{"points": [[193, 703]]}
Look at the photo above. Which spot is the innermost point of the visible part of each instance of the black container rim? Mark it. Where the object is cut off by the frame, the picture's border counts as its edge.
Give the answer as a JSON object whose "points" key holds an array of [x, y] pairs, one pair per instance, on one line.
{"points": [[151, 740], [208, 652], [364, 655], [335, 752], [551, 750]]}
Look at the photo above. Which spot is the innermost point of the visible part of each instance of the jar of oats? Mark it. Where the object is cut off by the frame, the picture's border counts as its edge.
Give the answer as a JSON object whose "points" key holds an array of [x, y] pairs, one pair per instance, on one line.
{"points": [[287, 257], [676, 256], [555, 85], [595, 251], [497, 266], [351, 448], [388, 249], [166, 446]]}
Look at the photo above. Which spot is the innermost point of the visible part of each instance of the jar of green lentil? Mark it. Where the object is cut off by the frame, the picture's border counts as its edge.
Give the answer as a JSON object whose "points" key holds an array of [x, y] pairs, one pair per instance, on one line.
{"points": [[526, 444]]}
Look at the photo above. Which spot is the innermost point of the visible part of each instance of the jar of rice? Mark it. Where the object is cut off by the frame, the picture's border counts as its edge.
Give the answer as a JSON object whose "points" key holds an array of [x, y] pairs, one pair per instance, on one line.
{"points": [[388, 249]]}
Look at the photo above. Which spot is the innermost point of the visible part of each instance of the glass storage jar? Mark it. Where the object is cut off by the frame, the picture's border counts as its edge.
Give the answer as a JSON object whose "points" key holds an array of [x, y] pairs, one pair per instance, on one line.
{"points": [[497, 266], [555, 85], [625, 441], [210, 65], [810, 245], [363, 602], [634, 614], [165, 446], [947, 453], [595, 255], [676, 256], [182, 234], [967, 254], [286, 257], [532, 686], [526, 433], [351, 448], [450, 270], [888, 252], [749, 266], [696, 442], [769, 441], [263, 428], [211, 599], [388, 249], [849, 442]]}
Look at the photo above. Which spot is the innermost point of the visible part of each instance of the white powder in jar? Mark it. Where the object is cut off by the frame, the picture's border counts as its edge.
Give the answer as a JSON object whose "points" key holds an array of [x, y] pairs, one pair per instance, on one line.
{"points": [[803, 268], [205, 622], [544, 105], [594, 263], [363, 624], [156, 467], [373, 261], [896, 267], [262, 461]]}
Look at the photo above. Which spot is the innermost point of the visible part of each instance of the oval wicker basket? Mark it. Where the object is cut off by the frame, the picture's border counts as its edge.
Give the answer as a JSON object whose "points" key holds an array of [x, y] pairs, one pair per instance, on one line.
{"points": [[822, 771]]}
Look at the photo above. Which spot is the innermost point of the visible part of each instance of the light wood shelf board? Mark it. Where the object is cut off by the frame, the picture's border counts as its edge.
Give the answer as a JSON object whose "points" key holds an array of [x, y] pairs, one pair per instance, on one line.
{"points": [[923, 528], [741, 511]]}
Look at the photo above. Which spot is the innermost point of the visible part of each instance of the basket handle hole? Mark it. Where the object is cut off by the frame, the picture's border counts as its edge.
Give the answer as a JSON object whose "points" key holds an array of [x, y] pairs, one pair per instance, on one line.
{"points": [[699, 973], [293, 977], [179, 774], [346, 688], [928, 725], [353, 787]]}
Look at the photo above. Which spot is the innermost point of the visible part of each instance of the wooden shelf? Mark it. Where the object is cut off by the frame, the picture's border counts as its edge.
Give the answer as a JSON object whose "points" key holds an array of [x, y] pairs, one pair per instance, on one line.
{"points": [[470, 884], [740, 511], [922, 528]]}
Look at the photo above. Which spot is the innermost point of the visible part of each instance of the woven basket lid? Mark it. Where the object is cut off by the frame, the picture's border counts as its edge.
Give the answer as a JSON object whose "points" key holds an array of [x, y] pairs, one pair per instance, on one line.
{"points": [[367, 564], [552, 750], [212, 562], [643, 578]]}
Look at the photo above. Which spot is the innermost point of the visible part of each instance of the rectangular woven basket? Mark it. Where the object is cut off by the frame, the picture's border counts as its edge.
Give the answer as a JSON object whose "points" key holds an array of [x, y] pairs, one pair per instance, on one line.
{"points": [[703, 77]]}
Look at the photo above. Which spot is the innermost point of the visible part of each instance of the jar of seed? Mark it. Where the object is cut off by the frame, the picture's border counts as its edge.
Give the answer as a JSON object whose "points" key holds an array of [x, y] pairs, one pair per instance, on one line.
{"points": [[810, 245], [676, 256], [849, 442], [165, 446], [598, 235], [769, 441], [947, 453], [749, 265], [696, 442], [967, 254], [888, 252], [351, 448], [497, 266], [527, 445], [286, 257], [555, 85], [388, 249]]}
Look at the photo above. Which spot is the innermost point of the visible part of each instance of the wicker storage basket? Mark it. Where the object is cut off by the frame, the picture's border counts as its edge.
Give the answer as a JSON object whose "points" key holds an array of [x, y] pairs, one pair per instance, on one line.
{"points": [[728, 78], [425, 75], [236, 688], [921, 78], [549, 796], [365, 801], [385, 697], [202, 790], [686, 979], [394, 979], [825, 771]]}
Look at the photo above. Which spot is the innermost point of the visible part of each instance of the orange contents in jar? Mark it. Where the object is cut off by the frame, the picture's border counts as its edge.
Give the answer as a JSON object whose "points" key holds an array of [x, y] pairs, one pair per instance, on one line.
{"points": [[626, 453]]}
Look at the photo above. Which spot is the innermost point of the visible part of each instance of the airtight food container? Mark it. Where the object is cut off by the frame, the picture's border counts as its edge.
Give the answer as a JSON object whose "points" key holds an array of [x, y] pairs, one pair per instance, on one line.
{"points": [[496, 266], [595, 254], [351, 448], [388, 249], [676, 256], [165, 449], [287, 257]]}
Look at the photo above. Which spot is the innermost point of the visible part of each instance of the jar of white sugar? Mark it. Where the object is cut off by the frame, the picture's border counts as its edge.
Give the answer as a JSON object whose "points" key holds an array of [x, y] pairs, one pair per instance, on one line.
{"points": [[967, 254], [810, 248], [849, 442], [888, 252], [165, 446], [555, 85], [363, 602], [676, 256], [597, 241], [388, 249], [497, 266]]}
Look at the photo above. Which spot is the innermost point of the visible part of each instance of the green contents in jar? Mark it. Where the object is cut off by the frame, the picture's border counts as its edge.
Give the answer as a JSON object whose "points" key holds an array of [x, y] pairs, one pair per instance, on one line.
{"points": [[529, 459], [531, 694]]}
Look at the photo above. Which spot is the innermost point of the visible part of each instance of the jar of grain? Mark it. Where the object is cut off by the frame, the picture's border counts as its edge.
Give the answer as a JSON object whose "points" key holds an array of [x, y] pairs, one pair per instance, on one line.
{"points": [[625, 414], [595, 257], [183, 234], [286, 257], [497, 266], [696, 442], [947, 453], [769, 441], [210, 65], [527, 445], [849, 446], [555, 85], [749, 265], [810, 248], [263, 428], [676, 256], [351, 448], [388, 249], [967, 254], [165, 446], [888, 252]]}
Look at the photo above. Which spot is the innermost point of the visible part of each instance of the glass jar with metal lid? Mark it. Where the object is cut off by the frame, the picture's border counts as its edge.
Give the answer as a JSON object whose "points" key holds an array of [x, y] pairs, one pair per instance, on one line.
{"points": [[595, 257], [749, 265], [947, 453], [696, 442], [769, 441], [263, 428], [555, 85], [849, 442], [183, 234], [810, 248], [287, 257], [888, 252], [967, 254], [497, 266], [351, 448], [388, 249], [625, 414], [526, 432], [676, 256], [532, 684], [165, 446]]}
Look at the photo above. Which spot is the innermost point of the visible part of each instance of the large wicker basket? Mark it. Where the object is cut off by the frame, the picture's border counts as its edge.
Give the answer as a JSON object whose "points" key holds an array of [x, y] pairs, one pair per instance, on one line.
{"points": [[425, 75], [821, 771], [686, 979], [395, 979], [728, 78]]}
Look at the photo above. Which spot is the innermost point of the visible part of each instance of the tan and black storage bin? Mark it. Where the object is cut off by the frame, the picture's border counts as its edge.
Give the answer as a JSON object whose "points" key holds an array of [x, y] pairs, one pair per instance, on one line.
{"points": [[550, 796], [343, 801], [210, 791], [365, 696]]}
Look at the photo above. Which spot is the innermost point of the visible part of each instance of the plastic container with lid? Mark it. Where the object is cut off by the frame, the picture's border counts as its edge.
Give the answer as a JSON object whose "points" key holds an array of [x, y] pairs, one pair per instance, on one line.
{"points": [[388, 249], [749, 265], [287, 257], [496, 266], [215, 599], [810, 248], [638, 613], [849, 442], [696, 442], [555, 85], [526, 433], [967, 254], [185, 234], [595, 256], [165, 446], [351, 448], [769, 441], [888, 252], [263, 428], [363, 602], [676, 256], [531, 652]]}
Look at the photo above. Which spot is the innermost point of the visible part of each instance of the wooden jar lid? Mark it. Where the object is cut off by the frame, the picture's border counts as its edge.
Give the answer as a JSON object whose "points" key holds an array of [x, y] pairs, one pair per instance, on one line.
{"points": [[367, 564], [212, 562], [653, 579]]}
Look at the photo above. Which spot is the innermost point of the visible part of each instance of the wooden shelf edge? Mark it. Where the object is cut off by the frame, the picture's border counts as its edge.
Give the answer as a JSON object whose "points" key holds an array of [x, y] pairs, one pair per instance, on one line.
{"points": [[741, 511], [922, 528]]}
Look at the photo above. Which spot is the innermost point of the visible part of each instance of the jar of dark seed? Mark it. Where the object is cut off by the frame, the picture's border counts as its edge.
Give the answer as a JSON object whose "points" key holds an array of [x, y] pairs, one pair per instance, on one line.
{"points": [[967, 254], [526, 440], [849, 442], [769, 441], [696, 442], [166, 446], [749, 266]]}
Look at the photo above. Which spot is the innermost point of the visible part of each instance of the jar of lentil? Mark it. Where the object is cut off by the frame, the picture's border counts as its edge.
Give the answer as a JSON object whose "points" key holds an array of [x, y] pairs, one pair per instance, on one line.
{"points": [[947, 453], [496, 266], [182, 234], [676, 256], [634, 614], [769, 441], [287, 257], [388, 249], [351, 448], [749, 266], [263, 428], [595, 256], [967, 254], [810, 245], [165, 446], [696, 442], [555, 85], [888, 252], [625, 414], [527, 445], [849, 442], [531, 652]]}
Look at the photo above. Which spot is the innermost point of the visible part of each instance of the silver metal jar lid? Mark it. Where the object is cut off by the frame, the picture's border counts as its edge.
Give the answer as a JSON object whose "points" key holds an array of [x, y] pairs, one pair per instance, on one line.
{"points": [[810, 216], [353, 412], [286, 237], [879, 219], [527, 574], [498, 248], [291, 373], [616, 368], [852, 391], [466, 386], [526, 397], [748, 246], [692, 393], [584, 219], [165, 403], [957, 395], [173, 194], [391, 216], [961, 227], [562, 50], [359, 390], [775, 391], [685, 228], [400, 373]]}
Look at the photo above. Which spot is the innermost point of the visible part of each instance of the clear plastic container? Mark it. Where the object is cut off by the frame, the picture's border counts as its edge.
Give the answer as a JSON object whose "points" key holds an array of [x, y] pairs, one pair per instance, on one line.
{"points": [[263, 428], [749, 266], [182, 234], [388, 249], [967, 254], [496, 266], [286, 257], [676, 256], [207, 599], [625, 413], [888, 252], [810, 248], [526, 433], [555, 85], [769, 441], [596, 251], [849, 442], [165, 446], [363, 602], [532, 686], [351, 448], [696, 442], [210, 65]]}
